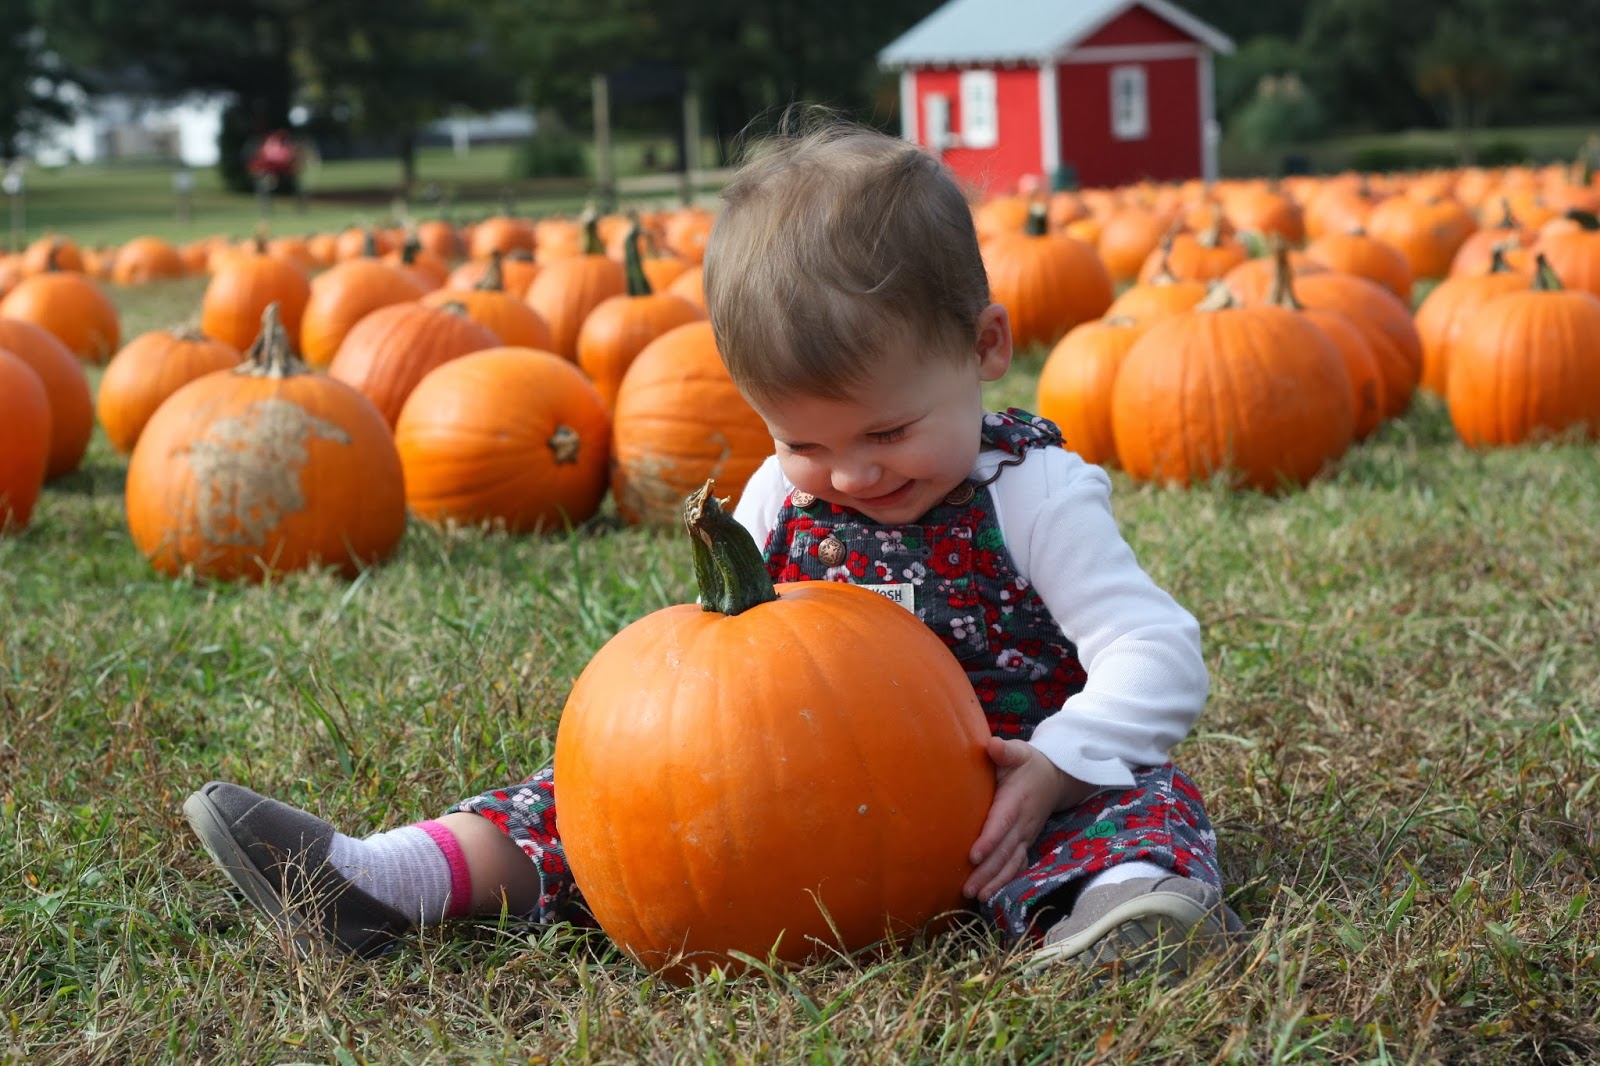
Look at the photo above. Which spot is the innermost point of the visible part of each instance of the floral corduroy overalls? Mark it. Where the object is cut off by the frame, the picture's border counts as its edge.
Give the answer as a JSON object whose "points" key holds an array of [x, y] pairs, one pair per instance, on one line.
{"points": [[952, 567]]}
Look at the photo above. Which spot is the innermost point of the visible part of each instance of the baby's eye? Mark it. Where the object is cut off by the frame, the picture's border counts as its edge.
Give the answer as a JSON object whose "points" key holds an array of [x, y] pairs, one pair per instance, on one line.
{"points": [[886, 436], [799, 449]]}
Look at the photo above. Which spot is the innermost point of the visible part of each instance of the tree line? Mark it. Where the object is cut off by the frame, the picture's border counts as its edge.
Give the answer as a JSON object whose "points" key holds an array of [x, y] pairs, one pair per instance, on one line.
{"points": [[384, 68]]}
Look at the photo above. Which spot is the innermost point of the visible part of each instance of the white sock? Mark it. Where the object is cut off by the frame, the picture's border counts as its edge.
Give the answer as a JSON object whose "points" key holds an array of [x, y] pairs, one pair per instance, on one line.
{"points": [[403, 867], [1127, 871]]}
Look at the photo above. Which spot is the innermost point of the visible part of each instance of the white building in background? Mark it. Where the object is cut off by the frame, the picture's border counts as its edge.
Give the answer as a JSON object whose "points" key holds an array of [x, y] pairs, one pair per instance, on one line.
{"points": [[117, 126]]}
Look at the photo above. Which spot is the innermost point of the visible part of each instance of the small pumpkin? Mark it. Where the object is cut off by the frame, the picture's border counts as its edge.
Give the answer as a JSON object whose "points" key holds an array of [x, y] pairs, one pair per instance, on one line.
{"points": [[1357, 252], [516, 272], [66, 387], [240, 289], [859, 825], [1075, 384], [500, 312], [679, 420], [1049, 282], [73, 307], [567, 289], [1523, 367], [512, 437], [500, 233], [265, 469], [386, 353], [145, 259], [24, 441], [1447, 308], [619, 327], [345, 294], [147, 370]]}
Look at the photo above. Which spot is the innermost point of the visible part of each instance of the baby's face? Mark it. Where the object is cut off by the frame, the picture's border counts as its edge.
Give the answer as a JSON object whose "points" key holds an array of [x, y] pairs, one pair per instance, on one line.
{"points": [[902, 441]]}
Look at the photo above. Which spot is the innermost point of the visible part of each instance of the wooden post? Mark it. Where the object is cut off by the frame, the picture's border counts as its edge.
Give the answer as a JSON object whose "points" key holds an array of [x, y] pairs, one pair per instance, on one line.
{"points": [[604, 180], [691, 138]]}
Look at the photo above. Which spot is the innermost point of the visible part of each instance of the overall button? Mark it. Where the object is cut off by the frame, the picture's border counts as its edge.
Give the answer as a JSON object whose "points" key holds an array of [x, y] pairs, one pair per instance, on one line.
{"points": [[801, 499], [831, 551], [959, 495]]}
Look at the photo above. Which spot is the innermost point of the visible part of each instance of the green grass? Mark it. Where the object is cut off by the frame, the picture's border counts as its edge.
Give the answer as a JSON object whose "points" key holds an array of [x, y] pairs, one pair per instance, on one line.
{"points": [[1401, 753], [110, 203]]}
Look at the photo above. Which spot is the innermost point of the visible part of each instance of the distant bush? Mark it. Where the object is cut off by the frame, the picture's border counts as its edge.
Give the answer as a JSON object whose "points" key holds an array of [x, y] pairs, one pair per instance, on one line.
{"points": [[1381, 157], [1503, 152], [1281, 113], [550, 155]]}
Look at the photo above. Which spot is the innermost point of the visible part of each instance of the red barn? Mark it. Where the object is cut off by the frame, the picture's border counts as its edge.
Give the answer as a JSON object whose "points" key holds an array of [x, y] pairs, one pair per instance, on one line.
{"points": [[1111, 91]]}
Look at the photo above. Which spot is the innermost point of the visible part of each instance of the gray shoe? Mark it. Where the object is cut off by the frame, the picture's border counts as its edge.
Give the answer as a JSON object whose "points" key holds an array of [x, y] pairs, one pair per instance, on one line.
{"points": [[277, 856], [1168, 923]]}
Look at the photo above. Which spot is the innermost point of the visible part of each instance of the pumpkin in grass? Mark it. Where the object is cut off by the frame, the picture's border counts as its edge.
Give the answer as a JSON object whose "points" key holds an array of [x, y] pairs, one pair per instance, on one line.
{"points": [[511, 437], [389, 351], [1355, 351], [618, 329], [516, 270], [1524, 367], [1383, 320], [1572, 250], [1202, 256], [492, 307], [344, 295], [66, 387], [441, 237], [1252, 279], [1447, 308], [1257, 395], [679, 420], [24, 441], [427, 269], [1075, 384], [265, 469], [1127, 237], [500, 233], [1049, 282], [71, 306], [691, 286], [1427, 231], [566, 290], [1357, 252], [1159, 296], [147, 370], [146, 259], [52, 252], [809, 809], [244, 284]]}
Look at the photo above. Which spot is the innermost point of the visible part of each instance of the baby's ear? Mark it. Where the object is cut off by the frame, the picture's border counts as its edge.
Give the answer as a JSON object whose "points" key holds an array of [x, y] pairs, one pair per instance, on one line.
{"points": [[994, 342]]}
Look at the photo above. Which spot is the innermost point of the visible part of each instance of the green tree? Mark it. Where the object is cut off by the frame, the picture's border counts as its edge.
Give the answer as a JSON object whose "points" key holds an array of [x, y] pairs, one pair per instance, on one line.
{"points": [[1464, 66], [31, 78]]}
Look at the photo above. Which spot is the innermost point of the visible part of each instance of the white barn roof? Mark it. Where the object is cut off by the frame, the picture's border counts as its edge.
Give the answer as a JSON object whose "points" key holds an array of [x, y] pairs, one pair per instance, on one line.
{"points": [[1024, 31]]}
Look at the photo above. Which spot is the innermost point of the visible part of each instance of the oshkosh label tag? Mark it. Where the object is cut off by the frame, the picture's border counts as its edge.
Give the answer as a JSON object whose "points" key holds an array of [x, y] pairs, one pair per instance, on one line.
{"points": [[904, 595]]}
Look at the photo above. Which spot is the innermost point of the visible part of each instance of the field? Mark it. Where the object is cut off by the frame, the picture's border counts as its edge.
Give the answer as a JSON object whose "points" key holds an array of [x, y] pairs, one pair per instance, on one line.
{"points": [[1401, 754]]}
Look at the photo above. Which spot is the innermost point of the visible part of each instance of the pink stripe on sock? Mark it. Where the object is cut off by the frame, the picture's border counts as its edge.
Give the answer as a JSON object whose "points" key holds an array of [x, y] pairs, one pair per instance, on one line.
{"points": [[460, 876]]}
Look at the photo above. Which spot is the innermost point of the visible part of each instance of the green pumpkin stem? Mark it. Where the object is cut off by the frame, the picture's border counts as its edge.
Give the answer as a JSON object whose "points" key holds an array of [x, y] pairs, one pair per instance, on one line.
{"points": [[1545, 278], [271, 356], [369, 245], [592, 245], [494, 278], [728, 568], [1038, 223], [632, 265], [1497, 257]]}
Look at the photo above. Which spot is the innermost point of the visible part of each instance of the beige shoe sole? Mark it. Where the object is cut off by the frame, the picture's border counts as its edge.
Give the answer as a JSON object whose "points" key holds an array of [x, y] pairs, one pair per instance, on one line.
{"points": [[1167, 930]]}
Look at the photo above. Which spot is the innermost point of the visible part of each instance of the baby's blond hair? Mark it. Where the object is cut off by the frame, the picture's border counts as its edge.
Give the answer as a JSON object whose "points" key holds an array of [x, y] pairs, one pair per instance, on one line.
{"points": [[834, 243]]}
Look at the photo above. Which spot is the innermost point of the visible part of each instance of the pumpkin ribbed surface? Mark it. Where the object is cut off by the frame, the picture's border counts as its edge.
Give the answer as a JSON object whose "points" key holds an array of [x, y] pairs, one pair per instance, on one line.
{"points": [[24, 441], [65, 385], [710, 802]]}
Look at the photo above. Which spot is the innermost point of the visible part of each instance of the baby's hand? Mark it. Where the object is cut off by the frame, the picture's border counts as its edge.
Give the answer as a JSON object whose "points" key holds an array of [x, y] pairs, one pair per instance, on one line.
{"points": [[1030, 789]]}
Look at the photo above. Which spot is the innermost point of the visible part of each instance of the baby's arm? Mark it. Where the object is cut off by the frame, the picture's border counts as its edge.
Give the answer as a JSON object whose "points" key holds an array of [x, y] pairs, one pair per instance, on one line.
{"points": [[1147, 679]]}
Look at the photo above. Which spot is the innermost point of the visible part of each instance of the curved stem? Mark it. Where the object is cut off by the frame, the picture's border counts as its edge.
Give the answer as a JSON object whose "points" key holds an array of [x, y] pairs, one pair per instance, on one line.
{"points": [[1545, 278], [632, 265], [493, 279], [728, 568], [270, 356]]}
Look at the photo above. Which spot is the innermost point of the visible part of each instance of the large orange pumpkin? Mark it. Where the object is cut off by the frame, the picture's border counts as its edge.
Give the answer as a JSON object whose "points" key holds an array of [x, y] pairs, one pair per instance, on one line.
{"points": [[805, 809], [389, 351], [146, 259], [66, 386], [1524, 366], [1447, 308], [507, 436], [679, 420], [1383, 320], [24, 441], [1258, 395], [147, 370], [492, 307], [263, 470], [617, 330]]}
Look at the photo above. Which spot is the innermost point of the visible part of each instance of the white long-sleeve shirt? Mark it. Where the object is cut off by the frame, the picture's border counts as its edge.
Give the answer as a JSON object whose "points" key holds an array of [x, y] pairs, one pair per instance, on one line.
{"points": [[1147, 679]]}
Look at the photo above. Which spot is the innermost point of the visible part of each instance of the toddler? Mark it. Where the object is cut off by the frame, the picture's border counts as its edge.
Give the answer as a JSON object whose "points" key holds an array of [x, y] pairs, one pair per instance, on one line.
{"points": [[850, 303]]}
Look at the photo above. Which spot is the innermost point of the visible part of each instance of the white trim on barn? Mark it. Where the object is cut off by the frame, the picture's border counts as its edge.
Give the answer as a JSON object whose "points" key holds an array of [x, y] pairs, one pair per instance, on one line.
{"points": [[1049, 121], [1210, 132], [1132, 53], [908, 105]]}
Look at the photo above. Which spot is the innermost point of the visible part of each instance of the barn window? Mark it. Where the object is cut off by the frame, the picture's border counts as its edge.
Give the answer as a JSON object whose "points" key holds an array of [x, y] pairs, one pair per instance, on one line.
{"points": [[980, 110], [1130, 106]]}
